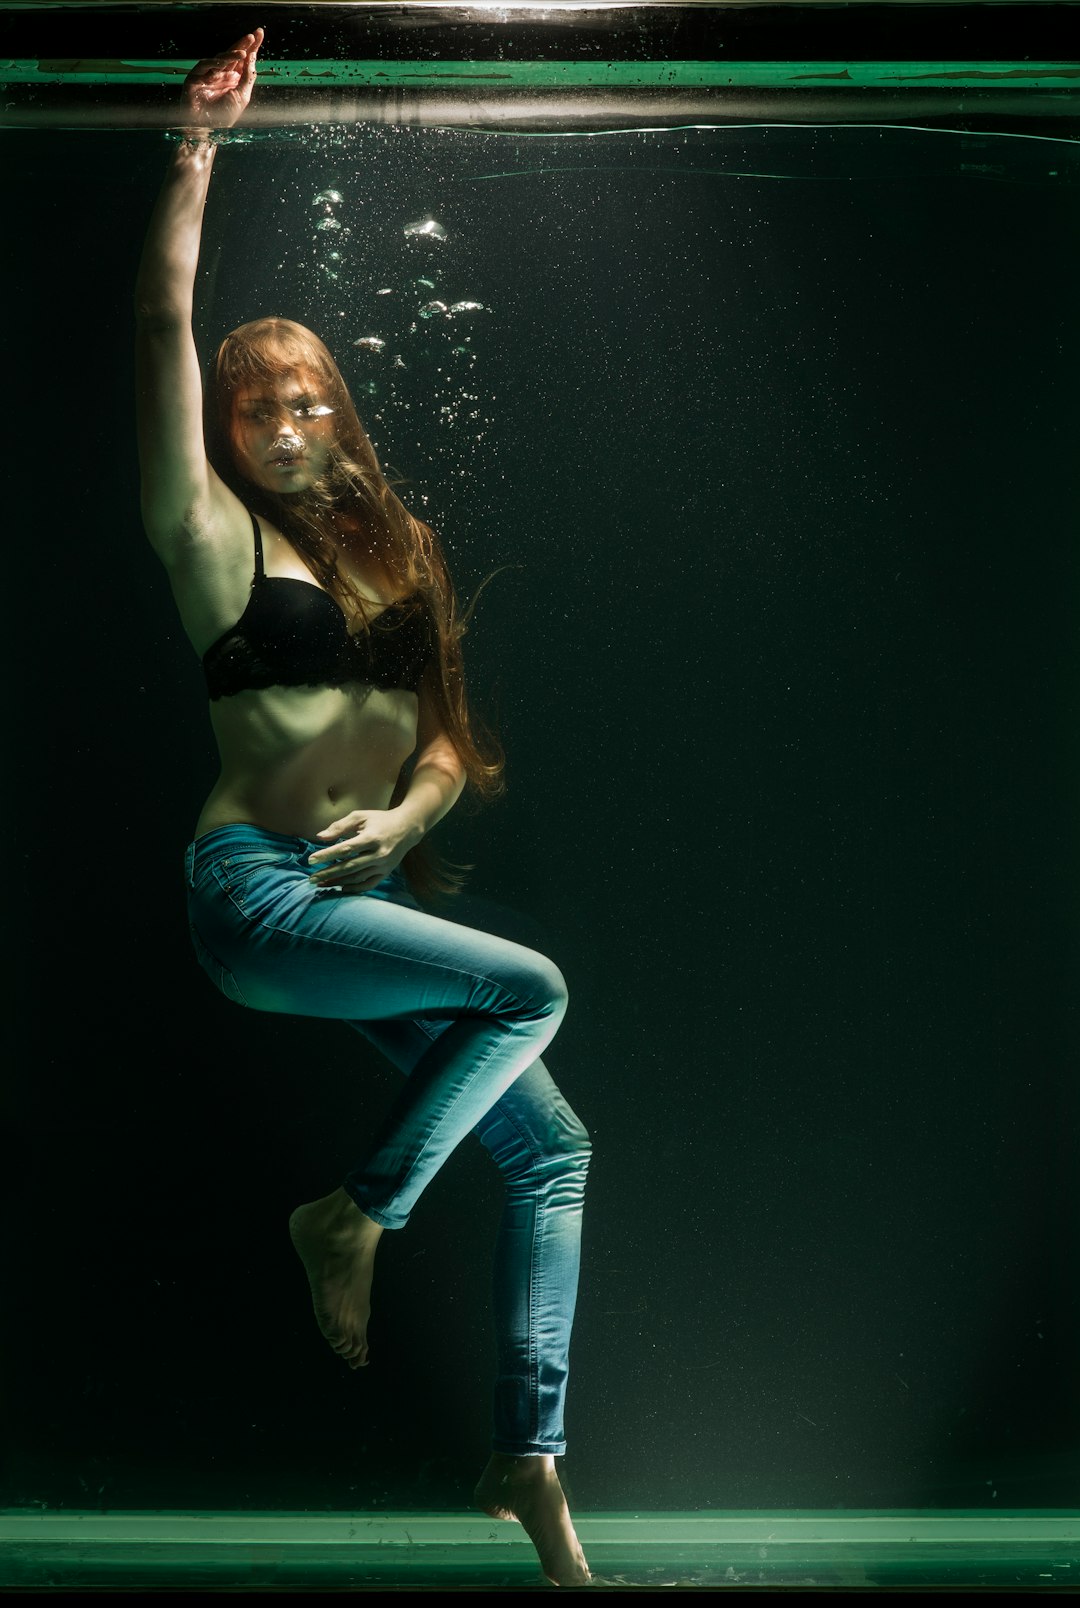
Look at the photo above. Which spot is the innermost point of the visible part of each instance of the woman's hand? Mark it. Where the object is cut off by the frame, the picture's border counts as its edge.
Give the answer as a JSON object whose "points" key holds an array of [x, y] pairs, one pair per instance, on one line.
{"points": [[218, 88], [372, 843]]}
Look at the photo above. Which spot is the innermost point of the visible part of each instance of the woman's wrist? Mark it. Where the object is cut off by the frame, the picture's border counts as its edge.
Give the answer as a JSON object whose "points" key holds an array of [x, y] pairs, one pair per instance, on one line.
{"points": [[196, 138], [413, 827], [192, 159]]}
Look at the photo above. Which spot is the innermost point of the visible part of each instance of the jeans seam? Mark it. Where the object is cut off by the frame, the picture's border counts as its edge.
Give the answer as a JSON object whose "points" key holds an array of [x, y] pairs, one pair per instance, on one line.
{"points": [[534, 1261], [410, 959], [534, 1363]]}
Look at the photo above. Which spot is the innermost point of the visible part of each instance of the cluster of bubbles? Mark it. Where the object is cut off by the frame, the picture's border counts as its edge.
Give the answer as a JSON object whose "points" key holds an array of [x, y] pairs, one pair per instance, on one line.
{"points": [[415, 357], [330, 263]]}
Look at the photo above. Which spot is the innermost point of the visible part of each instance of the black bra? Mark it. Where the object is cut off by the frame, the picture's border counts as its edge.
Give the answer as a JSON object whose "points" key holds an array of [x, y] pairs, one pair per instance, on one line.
{"points": [[293, 634]]}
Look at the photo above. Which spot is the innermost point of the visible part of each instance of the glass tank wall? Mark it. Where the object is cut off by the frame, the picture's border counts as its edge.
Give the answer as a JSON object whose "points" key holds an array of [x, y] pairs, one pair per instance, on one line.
{"points": [[759, 422]]}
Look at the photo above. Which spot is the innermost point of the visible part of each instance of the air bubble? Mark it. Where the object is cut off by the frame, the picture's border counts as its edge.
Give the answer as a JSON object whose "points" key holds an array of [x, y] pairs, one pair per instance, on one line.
{"points": [[468, 307], [425, 228], [432, 309], [370, 343], [327, 196], [328, 223]]}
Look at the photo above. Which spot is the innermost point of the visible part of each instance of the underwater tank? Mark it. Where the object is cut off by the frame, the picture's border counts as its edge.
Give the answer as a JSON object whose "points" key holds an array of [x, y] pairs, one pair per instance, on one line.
{"points": [[731, 350]]}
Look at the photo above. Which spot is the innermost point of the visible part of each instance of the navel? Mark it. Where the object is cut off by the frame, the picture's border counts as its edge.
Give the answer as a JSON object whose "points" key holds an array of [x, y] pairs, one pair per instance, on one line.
{"points": [[331, 793]]}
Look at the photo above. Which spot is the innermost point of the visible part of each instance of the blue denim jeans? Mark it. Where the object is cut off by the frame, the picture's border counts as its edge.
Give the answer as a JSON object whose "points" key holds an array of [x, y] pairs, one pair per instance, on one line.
{"points": [[465, 1015]]}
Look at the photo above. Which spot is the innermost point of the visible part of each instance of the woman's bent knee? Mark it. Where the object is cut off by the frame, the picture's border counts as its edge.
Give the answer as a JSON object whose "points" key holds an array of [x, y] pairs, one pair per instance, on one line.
{"points": [[577, 1146], [558, 993], [567, 1142], [538, 991]]}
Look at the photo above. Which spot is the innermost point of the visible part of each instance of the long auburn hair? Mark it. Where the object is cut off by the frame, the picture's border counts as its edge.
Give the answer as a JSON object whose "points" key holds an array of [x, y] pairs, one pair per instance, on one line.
{"points": [[264, 350]]}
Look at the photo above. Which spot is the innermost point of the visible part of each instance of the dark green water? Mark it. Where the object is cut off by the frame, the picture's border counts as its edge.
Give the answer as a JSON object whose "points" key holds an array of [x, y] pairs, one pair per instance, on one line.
{"points": [[772, 434]]}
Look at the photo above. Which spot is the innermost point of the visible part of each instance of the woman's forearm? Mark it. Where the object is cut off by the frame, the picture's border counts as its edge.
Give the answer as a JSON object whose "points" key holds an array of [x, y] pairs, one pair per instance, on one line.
{"points": [[434, 788], [165, 283]]}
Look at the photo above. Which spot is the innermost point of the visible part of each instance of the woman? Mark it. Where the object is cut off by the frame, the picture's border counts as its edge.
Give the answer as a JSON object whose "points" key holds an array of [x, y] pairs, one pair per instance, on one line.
{"points": [[327, 629]]}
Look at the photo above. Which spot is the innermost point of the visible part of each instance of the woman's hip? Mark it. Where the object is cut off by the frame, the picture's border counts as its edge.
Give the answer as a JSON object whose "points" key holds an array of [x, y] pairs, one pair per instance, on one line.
{"points": [[287, 944]]}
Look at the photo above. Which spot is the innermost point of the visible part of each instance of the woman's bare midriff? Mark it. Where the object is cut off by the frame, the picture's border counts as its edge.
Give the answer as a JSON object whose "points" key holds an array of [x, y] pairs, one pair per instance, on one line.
{"points": [[294, 759]]}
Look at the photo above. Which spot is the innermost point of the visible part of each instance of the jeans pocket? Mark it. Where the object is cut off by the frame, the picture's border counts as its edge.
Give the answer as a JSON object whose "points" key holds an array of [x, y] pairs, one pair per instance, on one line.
{"points": [[218, 973], [236, 872]]}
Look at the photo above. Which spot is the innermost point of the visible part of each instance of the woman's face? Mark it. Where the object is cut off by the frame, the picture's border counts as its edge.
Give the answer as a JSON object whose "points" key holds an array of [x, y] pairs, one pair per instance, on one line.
{"points": [[283, 430]]}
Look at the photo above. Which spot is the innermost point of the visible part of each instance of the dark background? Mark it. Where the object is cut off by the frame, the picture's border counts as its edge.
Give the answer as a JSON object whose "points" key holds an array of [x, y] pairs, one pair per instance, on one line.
{"points": [[776, 430]]}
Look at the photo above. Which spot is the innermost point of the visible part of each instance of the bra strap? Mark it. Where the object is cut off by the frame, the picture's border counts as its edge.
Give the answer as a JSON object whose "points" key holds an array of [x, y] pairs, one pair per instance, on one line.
{"points": [[258, 548]]}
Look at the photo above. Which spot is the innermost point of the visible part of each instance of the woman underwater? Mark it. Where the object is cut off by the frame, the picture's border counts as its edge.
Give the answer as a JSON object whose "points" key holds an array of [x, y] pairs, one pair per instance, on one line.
{"points": [[327, 628]]}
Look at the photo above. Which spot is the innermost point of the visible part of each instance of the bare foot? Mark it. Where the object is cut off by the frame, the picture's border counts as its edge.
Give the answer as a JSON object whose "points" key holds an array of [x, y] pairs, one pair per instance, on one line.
{"points": [[528, 1489], [336, 1243]]}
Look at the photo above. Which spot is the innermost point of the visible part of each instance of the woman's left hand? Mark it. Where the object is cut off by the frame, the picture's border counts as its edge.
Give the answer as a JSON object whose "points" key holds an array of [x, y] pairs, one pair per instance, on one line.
{"points": [[371, 844], [217, 89]]}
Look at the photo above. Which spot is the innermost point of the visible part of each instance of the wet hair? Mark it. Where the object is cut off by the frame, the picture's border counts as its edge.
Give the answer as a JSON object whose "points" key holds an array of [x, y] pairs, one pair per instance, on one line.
{"points": [[402, 546]]}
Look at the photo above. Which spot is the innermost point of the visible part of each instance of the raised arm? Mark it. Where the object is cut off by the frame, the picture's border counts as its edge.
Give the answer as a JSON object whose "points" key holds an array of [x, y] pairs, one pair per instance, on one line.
{"points": [[179, 489]]}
